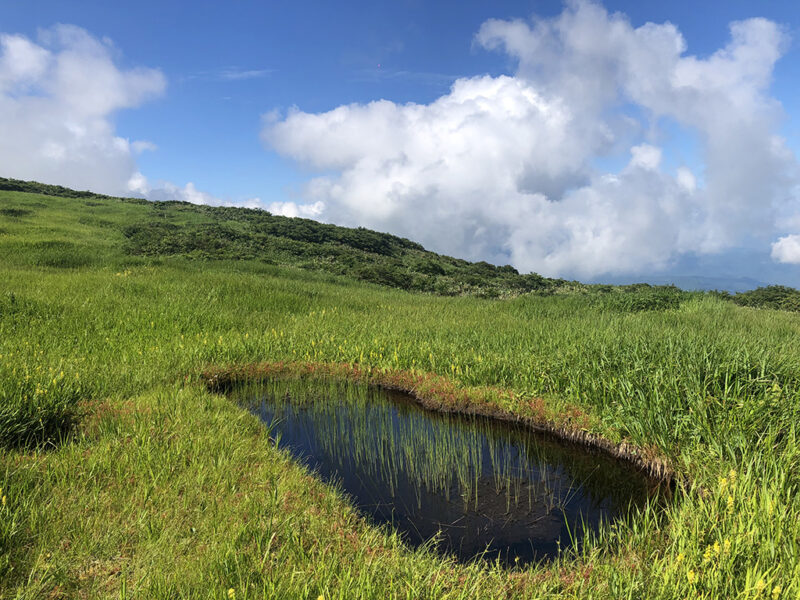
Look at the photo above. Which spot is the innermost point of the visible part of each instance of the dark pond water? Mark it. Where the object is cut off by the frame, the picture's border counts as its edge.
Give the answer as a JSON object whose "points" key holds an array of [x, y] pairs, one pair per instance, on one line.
{"points": [[479, 487]]}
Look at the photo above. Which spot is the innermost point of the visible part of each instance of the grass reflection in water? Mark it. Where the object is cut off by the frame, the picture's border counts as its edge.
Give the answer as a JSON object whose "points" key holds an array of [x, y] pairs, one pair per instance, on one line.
{"points": [[470, 485]]}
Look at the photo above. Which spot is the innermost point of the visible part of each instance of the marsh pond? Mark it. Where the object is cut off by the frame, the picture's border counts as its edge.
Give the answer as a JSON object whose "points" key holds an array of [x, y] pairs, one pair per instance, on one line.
{"points": [[471, 486]]}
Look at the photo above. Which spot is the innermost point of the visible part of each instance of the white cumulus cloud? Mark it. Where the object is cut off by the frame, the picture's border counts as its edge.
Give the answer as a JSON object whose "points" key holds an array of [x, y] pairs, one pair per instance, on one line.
{"points": [[57, 99], [787, 249], [503, 168]]}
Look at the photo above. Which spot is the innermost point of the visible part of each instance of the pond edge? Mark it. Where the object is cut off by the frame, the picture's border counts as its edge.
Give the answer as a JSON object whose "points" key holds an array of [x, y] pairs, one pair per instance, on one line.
{"points": [[440, 394]]}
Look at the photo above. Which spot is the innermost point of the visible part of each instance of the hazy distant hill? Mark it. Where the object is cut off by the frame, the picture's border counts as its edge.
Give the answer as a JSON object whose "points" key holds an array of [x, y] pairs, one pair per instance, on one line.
{"points": [[693, 282]]}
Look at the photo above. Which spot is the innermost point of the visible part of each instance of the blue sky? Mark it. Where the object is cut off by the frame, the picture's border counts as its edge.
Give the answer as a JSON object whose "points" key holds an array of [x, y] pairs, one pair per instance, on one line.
{"points": [[223, 66]]}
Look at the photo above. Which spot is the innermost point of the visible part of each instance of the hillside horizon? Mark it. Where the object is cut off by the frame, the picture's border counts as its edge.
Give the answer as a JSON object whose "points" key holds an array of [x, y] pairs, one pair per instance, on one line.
{"points": [[387, 240]]}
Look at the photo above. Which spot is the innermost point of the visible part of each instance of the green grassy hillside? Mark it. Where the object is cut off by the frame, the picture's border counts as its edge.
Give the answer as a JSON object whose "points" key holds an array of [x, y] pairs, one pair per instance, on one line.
{"points": [[123, 476], [136, 228], [150, 229]]}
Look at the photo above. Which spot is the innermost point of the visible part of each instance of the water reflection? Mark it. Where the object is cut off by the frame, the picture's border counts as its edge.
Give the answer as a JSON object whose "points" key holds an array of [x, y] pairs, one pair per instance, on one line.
{"points": [[480, 486]]}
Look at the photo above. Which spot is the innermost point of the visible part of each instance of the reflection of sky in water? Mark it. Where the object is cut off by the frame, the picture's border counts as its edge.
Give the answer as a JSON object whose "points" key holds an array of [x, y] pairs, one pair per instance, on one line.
{"points": [[484, 485]]}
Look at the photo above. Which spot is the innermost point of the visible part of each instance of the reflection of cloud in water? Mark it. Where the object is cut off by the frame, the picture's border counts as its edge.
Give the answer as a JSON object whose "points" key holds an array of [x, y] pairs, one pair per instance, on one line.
{"points": [[480, 482]]}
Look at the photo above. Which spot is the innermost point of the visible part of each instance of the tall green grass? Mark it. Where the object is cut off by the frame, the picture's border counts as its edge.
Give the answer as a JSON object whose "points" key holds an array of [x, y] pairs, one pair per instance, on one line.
{"points": [[712, 386]]}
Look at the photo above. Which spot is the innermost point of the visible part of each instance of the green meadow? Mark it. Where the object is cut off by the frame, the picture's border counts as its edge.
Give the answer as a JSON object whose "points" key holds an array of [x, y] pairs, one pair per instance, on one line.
{"points": [[123, 476]]}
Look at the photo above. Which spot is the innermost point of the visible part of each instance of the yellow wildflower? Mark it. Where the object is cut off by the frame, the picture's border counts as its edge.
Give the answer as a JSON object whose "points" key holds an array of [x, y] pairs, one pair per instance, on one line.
{"points": [[231, 593], [732, 475], [776, 591], [680, 557], [760, 585], [690, 575], [723, 482], [717, 548], [730, 503]]}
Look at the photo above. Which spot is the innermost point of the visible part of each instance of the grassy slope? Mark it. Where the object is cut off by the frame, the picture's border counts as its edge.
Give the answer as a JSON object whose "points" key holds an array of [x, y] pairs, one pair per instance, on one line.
{"points": [[167, 491], [200, 232]]}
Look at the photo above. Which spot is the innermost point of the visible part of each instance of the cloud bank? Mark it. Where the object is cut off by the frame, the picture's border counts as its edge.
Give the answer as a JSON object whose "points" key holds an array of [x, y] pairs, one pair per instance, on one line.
{"points": [[505, 168]]}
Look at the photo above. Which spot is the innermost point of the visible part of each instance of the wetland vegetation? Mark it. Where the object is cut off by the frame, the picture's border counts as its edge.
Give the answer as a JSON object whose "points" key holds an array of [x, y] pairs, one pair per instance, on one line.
{"points": [[468, 486], [123, 476]]}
